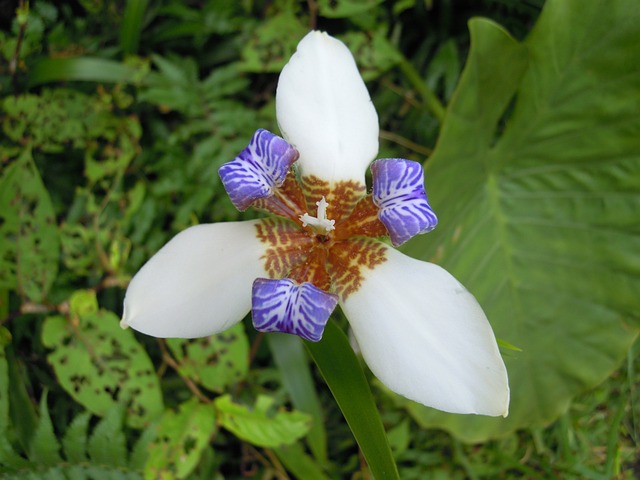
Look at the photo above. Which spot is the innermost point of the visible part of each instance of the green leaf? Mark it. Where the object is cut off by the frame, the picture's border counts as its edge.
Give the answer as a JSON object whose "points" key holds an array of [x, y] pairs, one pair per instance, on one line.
{"points": [[24, 415], [131, 27], [44, 448], [539, 212], [260, 425], [5, 339], [74, 442], [58, 119], [345, 8], [101, 365], [74, 472], [214, 362], [181, 438], [107, 445], [374, 53], [8, 456], [140, 451], [342, 371], [445, 67], [272, 43], [29, 243], [292, 361], [301, 465], [400, 438], [89, 69]]}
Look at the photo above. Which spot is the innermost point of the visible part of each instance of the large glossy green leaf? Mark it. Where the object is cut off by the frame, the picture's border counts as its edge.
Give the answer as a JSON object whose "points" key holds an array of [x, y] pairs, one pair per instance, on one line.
{"points": [[539, 215], [341, 370]]}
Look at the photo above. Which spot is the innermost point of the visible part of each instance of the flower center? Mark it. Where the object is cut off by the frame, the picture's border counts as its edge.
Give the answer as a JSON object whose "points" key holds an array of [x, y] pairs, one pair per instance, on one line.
{"points": [[320, 223]]}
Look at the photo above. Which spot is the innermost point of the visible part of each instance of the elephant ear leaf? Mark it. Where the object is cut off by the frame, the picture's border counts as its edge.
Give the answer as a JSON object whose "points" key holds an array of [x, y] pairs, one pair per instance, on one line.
{"points": [[536, 182]]}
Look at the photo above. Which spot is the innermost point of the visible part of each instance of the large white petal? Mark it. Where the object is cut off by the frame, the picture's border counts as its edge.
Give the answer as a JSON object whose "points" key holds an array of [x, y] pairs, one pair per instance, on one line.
{"points": [[426, 337], [198, 284], [324, 110]]}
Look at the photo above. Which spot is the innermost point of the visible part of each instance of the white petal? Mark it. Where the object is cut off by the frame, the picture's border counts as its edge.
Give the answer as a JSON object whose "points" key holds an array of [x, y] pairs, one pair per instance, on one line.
{"points": [[198, 284], [426, 337], [324, 110]]}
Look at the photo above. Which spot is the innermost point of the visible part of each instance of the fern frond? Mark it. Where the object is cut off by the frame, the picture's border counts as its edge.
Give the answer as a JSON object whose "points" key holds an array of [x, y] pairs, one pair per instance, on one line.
{"points": [[108, 444], [140, 451], [74, 442], [44, 447], [75, 472]]}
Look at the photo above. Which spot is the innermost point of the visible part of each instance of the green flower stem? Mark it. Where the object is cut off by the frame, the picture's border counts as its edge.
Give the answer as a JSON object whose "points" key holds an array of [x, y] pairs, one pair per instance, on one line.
{"points": [[341, 370]]}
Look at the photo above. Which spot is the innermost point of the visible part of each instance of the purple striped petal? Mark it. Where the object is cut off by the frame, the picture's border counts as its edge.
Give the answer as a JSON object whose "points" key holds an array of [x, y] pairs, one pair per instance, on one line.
{"points": [[258, 169], [284, 306], [398, 190]]}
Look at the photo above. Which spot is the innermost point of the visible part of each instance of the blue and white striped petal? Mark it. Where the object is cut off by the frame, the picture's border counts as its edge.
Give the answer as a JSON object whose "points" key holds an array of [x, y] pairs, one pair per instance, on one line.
{"points": [[260, 168], [287, 307], [398, 190]]}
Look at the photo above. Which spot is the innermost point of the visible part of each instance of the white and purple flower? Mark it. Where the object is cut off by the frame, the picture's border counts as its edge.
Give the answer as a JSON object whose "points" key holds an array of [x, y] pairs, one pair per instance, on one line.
{"points": [[419, 330]]}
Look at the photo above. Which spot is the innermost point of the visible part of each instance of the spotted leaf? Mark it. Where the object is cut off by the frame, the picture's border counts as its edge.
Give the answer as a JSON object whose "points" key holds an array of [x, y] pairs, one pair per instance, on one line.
{"points": [[100, 365]]}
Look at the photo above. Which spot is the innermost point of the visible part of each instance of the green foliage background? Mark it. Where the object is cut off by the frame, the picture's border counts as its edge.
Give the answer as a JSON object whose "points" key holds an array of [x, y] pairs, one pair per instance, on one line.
{"points": [[115, 117]]}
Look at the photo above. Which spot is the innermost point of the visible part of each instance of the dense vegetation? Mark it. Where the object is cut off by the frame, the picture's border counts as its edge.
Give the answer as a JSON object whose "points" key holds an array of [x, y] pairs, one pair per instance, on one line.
{"points": [[115, 117]]}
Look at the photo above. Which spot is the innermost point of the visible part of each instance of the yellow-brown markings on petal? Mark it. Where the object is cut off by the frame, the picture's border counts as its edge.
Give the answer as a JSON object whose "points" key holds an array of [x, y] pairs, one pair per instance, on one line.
{"points": [[335, 261], [363, 222], [288, 245], [347, 260], [314, 268], [342, 196]]}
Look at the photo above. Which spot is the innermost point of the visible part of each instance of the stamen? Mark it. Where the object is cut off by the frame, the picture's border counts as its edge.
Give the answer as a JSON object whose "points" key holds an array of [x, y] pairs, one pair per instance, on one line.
{"points": [[320, 223]]}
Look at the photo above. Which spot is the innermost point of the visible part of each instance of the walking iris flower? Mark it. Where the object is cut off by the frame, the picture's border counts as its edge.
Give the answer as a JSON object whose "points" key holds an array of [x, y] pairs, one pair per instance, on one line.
{"points": [[419, 330]]}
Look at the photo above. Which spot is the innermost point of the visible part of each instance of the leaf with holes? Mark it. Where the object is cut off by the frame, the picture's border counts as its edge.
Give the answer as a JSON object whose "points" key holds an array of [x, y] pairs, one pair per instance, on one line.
{"points": [[181, 438], [216, 361], [261, 425], [29, 243], [539, 213], [99, 364]]}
